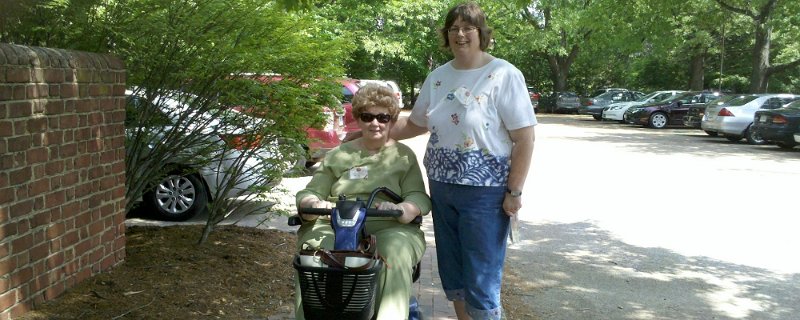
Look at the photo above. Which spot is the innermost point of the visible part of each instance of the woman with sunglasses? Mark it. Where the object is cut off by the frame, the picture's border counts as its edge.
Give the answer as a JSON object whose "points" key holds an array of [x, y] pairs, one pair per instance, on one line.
{"points": [[355, 169], [480, 118]]}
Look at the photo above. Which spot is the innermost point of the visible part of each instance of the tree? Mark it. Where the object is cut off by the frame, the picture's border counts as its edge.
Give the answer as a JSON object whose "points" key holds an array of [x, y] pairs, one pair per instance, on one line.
{"points": [[205, 50], [765, 15]]}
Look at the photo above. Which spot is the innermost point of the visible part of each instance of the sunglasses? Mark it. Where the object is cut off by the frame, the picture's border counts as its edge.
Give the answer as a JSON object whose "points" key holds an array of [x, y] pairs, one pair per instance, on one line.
{"points": [[382, 117]]}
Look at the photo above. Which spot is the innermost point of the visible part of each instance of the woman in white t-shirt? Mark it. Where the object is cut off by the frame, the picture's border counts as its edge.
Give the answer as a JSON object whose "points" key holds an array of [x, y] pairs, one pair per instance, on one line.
{"points": [[481, 123]]}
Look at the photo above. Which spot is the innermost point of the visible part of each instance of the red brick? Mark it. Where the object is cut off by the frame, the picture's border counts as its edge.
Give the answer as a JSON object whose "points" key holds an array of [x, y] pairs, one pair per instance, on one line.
{"points": [[54, 138], [21, 127], [54, 199], [55, 230], [69, 90], [8, 299], [85, 105], [37, 155], [6, 231], [54, 290], [39, 219], [8, 265], [70, 238], [54, 167], [20, 176], [6, 129], [39, 252], [36, 91], [19, 309], [18, 143], [54, 90], [21, 75], [54, 75], [21, 276], [55, 260], [69, 178], [68, 121], [6, 93], [68, 150], [18, 92], [40, 186], [20, 109], [21, 244], [37, 125]]}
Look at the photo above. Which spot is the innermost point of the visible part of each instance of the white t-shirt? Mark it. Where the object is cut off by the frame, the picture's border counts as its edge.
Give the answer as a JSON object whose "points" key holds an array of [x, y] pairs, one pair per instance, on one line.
{"points": [[469, 114]]}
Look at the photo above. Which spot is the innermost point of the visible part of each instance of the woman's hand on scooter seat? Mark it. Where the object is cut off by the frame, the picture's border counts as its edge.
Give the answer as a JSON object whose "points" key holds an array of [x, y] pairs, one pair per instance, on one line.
{"points": [[410, 211]]}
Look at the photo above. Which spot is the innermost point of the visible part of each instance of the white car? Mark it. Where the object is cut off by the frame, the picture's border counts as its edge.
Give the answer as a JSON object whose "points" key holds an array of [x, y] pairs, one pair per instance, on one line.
{"points": [[195, 153], [733, 119], [615, 111]]}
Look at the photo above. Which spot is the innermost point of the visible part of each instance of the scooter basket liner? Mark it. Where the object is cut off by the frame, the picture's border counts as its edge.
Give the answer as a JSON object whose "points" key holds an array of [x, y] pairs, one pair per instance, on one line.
{"points": [[338, 293]]}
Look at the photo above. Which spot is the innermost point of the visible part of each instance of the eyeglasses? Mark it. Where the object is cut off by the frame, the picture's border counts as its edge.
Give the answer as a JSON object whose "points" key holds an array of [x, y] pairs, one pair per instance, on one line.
{"points": [[465, 30], [382, 117]]}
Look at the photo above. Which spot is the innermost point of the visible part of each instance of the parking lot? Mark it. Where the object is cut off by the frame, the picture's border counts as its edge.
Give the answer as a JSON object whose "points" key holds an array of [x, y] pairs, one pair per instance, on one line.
{"points": [[625, 222]]}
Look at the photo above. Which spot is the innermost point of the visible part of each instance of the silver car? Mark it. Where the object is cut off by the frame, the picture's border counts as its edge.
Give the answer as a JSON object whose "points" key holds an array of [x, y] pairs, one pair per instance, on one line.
{"points": [[733, 119], [190, 177]]}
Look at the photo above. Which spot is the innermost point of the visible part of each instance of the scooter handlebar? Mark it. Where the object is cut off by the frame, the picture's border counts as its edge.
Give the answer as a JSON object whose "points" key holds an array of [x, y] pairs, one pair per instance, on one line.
{"points": [[370, 212]]}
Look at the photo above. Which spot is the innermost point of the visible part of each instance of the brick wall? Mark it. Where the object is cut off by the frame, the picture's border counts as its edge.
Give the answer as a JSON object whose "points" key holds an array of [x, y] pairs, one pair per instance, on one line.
{"points": [[62, 171]]}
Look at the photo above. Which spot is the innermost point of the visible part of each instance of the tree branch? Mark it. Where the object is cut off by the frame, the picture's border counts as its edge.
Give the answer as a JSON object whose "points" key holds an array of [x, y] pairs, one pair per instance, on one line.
{"points": [[741, 11], [782, 67]]}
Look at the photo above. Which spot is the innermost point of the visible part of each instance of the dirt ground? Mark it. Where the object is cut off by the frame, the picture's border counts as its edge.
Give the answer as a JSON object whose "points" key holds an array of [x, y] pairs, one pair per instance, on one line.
{"points": [[240, 273]]}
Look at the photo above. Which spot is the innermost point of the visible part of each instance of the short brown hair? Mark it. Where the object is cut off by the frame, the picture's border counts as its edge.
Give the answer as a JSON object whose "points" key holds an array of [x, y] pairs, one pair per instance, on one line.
{"points": [[471, 13], [374, 95]]}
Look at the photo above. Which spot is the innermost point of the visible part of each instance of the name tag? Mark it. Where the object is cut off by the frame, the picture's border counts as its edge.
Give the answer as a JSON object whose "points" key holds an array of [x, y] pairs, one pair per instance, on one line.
{"points": [[357, 173]]}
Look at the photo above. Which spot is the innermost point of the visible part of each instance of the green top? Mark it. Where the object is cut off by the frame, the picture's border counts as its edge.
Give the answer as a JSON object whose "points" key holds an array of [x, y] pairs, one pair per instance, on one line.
{"points": [[347, 170]]}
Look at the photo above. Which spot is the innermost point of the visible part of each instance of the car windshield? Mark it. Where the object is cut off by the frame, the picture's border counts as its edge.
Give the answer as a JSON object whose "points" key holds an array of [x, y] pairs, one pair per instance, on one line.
{"points": [[608, 95], [794, 105], [722, 100], [742, 100], [567, 95]]}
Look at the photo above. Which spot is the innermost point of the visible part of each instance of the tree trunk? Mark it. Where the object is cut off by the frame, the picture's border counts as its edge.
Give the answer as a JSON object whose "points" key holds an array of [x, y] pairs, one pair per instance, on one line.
{"points": [[559, 72], [696, 72], [760, 74]]}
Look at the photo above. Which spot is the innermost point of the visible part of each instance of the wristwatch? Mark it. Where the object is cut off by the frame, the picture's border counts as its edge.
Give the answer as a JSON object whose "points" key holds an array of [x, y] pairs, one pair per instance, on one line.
{"points": [[514, 193]]}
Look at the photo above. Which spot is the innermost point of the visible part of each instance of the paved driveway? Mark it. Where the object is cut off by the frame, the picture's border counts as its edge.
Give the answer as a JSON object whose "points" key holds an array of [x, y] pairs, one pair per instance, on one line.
{"points": [[624, 222]]}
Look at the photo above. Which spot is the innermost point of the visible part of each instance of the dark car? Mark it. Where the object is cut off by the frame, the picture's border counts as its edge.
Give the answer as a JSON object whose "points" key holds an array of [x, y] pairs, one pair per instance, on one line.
{"points": [[535, 96], [658, 115], [694, 117], [561, 102], [778, 126], [594, 106]]}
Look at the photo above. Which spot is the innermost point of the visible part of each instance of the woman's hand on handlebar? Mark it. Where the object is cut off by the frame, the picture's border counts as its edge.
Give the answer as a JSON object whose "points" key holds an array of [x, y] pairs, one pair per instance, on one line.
{"points": [[313, 202], [410, 211]]}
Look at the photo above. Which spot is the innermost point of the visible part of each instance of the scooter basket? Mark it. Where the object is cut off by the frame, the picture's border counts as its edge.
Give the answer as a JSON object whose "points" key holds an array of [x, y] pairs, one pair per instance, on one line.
{"points": [[338, 293]]}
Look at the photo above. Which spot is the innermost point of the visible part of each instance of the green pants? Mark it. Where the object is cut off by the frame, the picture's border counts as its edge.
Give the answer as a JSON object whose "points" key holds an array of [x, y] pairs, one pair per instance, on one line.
{"points": [[402, 245]]}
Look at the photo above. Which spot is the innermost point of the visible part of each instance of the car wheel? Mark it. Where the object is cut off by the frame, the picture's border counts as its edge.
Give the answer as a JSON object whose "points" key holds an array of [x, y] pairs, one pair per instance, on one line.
{"points": [[597, 117], [658, 120], [177, 198], [711, 133], [784, 145], [753, 137]]}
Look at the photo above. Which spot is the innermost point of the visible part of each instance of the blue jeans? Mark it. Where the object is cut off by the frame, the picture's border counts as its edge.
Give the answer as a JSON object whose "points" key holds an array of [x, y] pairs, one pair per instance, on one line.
{"points": [[471, 231]]}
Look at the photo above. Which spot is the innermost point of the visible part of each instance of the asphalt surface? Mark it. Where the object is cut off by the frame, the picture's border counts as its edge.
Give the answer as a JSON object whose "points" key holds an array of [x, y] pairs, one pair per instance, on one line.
{"points": [[625, 222]]}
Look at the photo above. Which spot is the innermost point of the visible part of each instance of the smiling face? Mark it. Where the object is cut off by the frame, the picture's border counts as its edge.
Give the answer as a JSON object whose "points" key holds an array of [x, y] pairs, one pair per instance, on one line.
{"points": [[375, 129], [464, 38], [376, 110], [458, 32]]}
